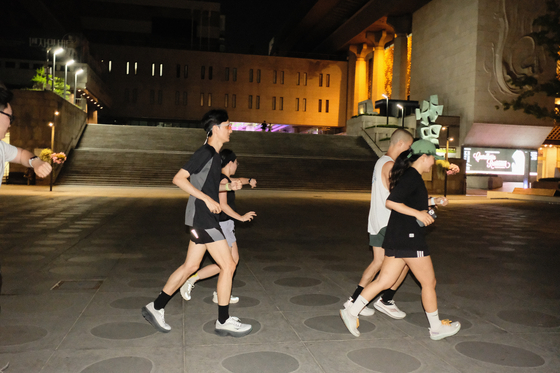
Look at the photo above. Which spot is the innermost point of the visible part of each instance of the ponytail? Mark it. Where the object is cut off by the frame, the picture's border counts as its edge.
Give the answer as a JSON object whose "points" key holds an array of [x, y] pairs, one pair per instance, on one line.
{"points": [[403, 162]]}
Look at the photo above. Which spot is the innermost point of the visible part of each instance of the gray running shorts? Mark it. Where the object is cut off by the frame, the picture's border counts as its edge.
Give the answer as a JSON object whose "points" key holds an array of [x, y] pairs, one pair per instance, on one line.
{"points": [[228, 228], [376, 240]]}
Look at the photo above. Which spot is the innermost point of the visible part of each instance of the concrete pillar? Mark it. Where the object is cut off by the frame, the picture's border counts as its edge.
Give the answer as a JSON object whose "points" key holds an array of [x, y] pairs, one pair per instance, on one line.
{"points": [[379, 39], [399, 68], [360, 74]]}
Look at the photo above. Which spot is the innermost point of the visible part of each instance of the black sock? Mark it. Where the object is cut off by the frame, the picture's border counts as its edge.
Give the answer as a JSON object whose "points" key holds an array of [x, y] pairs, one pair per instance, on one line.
{"points": [[357, 293], [223, 313], [388, 295], [161, 300]]}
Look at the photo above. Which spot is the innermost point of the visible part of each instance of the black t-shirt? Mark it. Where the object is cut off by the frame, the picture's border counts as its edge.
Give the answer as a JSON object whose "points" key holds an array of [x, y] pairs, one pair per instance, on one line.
{"points": [[403, 231], [204, 168], [230, 200]]}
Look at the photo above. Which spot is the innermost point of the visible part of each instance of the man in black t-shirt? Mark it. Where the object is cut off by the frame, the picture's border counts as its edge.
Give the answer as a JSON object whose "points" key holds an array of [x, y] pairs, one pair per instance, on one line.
{"points": [[200, 177]]}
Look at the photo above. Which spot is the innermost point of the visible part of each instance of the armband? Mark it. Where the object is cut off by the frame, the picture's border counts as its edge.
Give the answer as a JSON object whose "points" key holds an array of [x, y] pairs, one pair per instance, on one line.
{"points": [[31, 160], [250, 180], [228, 188], [432, 201]]}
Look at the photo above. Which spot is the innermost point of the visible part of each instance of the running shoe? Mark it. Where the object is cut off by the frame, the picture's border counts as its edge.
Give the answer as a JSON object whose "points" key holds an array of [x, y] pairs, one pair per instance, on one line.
{"points": [[447, 329], [155, 317], [390, 309], [232, 299], [351, 322], [233, 327], [365, 312], [186, 290]]}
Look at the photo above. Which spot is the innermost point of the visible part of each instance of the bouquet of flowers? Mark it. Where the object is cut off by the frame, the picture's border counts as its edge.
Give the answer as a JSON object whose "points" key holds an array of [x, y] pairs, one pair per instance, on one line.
{"points": [[58, 158], [48, 155]]}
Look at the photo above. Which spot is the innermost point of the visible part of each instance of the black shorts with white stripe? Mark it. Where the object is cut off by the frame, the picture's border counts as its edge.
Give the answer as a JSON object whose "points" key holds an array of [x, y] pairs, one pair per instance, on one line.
{"points": [[203, 236], [407, 253]]}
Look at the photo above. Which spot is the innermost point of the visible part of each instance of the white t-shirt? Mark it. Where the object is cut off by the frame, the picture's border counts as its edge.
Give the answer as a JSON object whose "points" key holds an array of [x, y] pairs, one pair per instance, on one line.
{"points": [[378, 213], [7, 154]]}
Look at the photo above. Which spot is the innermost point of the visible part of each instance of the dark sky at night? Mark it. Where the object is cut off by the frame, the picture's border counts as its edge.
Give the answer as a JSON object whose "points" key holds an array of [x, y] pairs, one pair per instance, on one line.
{"points": [[250, 24]]}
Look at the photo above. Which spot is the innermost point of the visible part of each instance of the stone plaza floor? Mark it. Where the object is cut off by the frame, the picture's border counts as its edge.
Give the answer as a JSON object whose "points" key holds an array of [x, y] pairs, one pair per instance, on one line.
{"points": [[79, 263]]}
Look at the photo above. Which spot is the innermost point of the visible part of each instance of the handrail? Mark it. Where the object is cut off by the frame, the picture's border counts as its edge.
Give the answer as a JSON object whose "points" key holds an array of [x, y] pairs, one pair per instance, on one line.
{"points": [[378, 150]]}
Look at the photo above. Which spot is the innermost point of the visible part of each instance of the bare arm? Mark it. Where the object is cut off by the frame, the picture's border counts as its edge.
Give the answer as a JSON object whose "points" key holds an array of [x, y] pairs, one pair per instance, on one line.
{"points": [[230, 212], [386, 172], [42, 169], [423, 216], [252, 182], [181, 179]]}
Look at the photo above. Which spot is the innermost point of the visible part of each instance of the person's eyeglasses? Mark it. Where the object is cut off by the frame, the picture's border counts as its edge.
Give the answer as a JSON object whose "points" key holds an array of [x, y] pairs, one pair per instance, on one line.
{"points": [[12, 118], [228, 126]]}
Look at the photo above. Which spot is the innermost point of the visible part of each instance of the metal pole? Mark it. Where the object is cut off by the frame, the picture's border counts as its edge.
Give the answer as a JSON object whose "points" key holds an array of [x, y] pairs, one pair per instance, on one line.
{"points": [[75, 86], [53, 70], [52, 148], [65, 78], [447, 159], [387, 109]]}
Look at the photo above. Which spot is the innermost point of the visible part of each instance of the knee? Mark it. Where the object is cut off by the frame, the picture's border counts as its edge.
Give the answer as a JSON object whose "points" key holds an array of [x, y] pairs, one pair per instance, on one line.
{"points": [[189, 268], [229, 267]]}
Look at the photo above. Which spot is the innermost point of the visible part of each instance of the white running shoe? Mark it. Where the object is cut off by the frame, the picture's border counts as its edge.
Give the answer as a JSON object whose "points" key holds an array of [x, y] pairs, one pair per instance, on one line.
{"points": [[155, 317], [447, 329], [233, 327], [186, 289], [390, 309], [232, 299], [352, 323], [365, 312]]}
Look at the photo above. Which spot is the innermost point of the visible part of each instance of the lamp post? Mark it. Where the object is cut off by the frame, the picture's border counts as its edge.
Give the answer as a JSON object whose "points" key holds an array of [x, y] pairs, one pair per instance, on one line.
{"points": [[386, 106], [57, 51], [52, 125], [66, 75], [76, 83], [402, 113], [447, 140]]}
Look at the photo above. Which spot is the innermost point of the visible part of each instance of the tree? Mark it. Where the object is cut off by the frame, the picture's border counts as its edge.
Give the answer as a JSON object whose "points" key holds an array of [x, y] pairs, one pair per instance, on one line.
{"points": [[41, 83], [549, 38]]}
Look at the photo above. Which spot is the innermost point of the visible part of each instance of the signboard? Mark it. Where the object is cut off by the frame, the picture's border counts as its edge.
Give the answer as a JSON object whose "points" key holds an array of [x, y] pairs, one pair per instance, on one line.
{"points": [[498, 161]]}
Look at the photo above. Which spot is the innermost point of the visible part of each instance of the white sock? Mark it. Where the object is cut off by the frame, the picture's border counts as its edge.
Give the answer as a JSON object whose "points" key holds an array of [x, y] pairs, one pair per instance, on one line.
{"points": [[358, 306], [433, 318], [194, 278]]}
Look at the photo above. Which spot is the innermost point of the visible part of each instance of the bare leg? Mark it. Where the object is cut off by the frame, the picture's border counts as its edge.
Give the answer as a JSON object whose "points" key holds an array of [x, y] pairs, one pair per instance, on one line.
{"points": [[423, 269], [195, 254], [400, 279], [222, 255], [373, 267], [388, 275], [213, 269]]}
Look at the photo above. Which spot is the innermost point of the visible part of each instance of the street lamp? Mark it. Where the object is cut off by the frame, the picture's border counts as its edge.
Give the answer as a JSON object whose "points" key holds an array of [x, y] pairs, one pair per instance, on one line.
{"points": [[57, 51], [52, 125], [66, 75], [386, 106], [76, 83], [402, 113], [447, 140]]}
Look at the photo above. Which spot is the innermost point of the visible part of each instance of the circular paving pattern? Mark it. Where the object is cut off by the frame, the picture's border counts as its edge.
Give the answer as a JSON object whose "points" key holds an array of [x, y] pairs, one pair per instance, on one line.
{"points": [[530, 318], [271, 258], [383, 360], [147, 283], [210, 326], [344, 268], [420, 319], [298, 282], [326, 257], [500, 354], [121, 364], [262, 362], [20, 334], [214, 282], [333, 324], [37, 303], [311, 300], [244, 302], [146, 270], [130, 303], [281, 269], [123, 330]]}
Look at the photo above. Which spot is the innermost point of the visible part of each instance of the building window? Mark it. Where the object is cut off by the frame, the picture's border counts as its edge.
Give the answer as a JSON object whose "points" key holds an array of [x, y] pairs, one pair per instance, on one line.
{"points": [[297, 104], [160, 97], [110, 65], [134, 95], [153, 69], [273, 103], [304, 78], [186, 72], [135, 68], [320, 80], [258, 75], [250, 75], [250, 101], [226, 100], [281, 77], [177, 97], [298, 78], [210, 72], [233, 99], [128, 68], [202, 99], [152, 96], [126, 95], [202, 72], [274, 76], [281, 103], [258, 102], [160, 69], [209, 99], [226, 76], [326, 106], [304, 104], [320, 105], [328, 82], [234, 75], [178, 70], [185, 98]]}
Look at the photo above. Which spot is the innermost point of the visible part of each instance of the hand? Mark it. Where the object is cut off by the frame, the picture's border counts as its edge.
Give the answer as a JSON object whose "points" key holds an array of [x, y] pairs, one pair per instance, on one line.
{"points": [[424, 217], [442, 201], [213, 206], [42, 169], [236, 184], [248, 216], [253, 183], [453, 169]]}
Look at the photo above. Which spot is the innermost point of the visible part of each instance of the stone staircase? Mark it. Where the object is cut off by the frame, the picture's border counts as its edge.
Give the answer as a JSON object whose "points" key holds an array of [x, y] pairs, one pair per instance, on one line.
{"points": [[151, 156]]}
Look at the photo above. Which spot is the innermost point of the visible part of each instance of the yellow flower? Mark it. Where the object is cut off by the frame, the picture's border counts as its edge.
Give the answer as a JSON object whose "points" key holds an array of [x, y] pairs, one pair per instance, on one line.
{"points": [[45, 155]]}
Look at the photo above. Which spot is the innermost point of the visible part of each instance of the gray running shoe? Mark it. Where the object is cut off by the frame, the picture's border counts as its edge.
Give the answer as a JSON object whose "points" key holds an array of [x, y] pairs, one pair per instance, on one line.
{"points": [[155, 317], [447, 329], [390, 309], [350, 321], [232, 299], [186, 289], [233, 327]]}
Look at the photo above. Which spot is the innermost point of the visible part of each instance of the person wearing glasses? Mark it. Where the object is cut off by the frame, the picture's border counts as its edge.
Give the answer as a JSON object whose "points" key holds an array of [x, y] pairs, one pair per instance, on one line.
{"points": [[227, 223], [200, 178], [10, 153]]}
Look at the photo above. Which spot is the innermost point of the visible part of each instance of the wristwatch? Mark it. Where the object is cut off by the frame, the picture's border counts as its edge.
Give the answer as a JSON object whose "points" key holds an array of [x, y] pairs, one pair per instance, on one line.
{"points": [[31, 160]]}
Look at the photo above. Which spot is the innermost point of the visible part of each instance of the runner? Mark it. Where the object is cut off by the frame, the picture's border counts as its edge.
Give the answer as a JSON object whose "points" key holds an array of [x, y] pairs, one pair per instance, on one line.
{"points": [[201, 219], [227, 217]]}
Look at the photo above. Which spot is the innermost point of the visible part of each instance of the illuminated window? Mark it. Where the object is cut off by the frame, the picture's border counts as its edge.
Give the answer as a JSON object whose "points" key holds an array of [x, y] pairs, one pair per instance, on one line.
{"points": [[202, 72], [210, 72], [274, 76], [177, 95], [258, 75], [320, 80], [273, 103], [128, 68], [320, 105], [251, 75], [250, 101], [135, 68], [186, 72], [298, 78], [184, 98], [160, 69], [233, 99], [281, 77], [281, 103], [304, 104], [226, 100], [153, 69], [234, 75], [178, 70], [209, 99], [328, 81], [297, 104], [326, 106], [226, 76], [160, 97], [152, 96], [110, 66], [202, 99], [258, 102]]}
